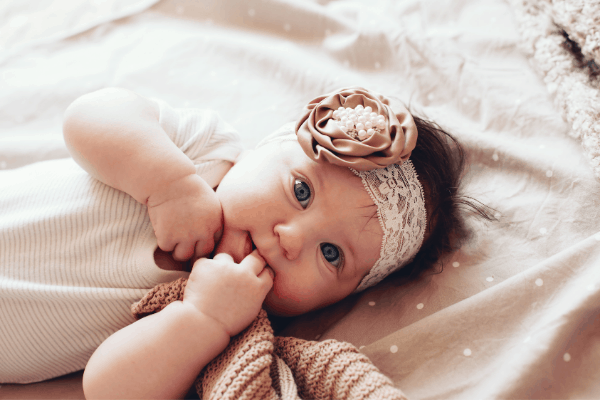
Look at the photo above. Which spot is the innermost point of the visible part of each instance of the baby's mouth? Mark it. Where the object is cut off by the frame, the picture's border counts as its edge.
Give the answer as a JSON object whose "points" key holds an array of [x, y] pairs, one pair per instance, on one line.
{"points": [[249, 247]]}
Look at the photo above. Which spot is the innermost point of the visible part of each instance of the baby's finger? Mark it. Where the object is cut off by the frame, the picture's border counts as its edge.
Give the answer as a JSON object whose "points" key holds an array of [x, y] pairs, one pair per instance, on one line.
{"points": [[254, 261], [166, 246], [204, 247], [218, 234], [266, 277], [183, 251], [223, 256], [199, 261]]}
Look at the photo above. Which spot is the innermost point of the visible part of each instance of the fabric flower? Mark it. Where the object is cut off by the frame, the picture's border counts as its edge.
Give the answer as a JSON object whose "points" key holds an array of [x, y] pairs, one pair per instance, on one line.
{"points": [[324, 137]]}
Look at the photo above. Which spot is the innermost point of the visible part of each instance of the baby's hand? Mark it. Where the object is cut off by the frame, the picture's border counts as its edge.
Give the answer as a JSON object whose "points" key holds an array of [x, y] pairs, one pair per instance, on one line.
{"points": [[230, 293], [186, 216]]}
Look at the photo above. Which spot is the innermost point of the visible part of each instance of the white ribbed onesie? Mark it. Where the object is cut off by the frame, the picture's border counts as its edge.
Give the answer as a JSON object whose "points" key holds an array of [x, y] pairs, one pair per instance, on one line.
{"points": [[76, 253]]}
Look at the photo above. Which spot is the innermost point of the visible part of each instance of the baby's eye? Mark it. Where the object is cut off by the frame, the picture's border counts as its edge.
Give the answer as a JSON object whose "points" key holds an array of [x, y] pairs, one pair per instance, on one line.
{"points": [[332, 254], [302, 192]]}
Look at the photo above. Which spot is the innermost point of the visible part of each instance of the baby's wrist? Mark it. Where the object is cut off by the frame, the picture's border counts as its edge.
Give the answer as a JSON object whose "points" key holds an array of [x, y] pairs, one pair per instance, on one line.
{"points": [[181, 187], [201, 318], [187, 328], [207, 337]]}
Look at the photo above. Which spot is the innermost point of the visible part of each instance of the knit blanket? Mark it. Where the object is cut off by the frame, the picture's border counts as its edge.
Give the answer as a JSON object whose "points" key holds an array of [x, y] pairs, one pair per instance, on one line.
{"points": [[562, 39], [256, 365]]}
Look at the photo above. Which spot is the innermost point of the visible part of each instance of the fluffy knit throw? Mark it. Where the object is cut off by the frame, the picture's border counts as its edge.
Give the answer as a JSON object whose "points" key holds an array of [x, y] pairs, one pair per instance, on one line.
{"points": [[256, 365], [562, 38]]}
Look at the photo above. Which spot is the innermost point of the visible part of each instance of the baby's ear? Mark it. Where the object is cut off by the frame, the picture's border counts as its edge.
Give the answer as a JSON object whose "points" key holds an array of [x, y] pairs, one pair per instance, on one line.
{"points": [[242, 155]]}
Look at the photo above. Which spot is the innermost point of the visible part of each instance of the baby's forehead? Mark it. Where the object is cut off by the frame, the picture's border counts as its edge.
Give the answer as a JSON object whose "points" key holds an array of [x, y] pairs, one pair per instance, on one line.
{"points": [[340, 184]]}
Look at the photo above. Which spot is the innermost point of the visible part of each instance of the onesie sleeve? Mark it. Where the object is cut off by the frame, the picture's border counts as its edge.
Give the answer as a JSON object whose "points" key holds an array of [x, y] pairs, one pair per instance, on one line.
{"points": [[211, 143]]}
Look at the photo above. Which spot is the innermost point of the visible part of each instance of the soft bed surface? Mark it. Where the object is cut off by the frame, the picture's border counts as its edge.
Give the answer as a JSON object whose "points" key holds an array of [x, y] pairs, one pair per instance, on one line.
{"points": [[515, 312]]}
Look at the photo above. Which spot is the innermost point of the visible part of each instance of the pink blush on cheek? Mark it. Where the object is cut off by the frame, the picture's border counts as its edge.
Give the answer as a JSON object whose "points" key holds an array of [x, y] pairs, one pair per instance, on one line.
{"points": [[286, 299], [280, 307]]}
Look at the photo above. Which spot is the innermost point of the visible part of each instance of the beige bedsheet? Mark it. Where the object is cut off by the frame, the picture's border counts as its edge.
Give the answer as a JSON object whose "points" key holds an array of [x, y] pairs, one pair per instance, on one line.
{"points": [[515, 312]]}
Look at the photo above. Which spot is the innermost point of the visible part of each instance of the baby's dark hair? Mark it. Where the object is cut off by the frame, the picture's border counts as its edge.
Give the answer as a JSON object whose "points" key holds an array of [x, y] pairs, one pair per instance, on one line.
{"points": [[440, 161]]}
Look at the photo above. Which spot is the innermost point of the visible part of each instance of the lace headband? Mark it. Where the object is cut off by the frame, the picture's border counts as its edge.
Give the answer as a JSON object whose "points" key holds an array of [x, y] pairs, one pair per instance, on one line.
{"points": [[361, 130], [398, 195]]}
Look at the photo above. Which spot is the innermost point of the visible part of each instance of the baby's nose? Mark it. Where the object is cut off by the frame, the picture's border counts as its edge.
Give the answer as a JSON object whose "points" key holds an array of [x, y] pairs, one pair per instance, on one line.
{"points": [[291, 240]]}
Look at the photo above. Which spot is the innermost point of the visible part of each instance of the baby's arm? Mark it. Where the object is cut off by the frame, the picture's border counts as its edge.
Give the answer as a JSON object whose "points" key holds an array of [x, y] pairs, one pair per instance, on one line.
{"points": [[160, 355], [115, 135]]}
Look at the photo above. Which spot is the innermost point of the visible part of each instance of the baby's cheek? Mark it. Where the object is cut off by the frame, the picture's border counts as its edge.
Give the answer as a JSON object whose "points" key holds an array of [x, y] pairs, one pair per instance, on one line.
{"points": [[287, 300], [278, 306], [292, 289], [281, 291]]}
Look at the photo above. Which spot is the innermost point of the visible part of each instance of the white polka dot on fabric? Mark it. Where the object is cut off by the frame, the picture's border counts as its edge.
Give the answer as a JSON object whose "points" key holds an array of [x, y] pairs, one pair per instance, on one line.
{"points": [[371, 303], [549, 174], [539, 281], [430, 96], [567, 357], [287, 27], [543, 231], [497, 215], [394, 349], [467, 352], [420, 306], [456, 264], [251, 12], [489, 279], [495, 157]]}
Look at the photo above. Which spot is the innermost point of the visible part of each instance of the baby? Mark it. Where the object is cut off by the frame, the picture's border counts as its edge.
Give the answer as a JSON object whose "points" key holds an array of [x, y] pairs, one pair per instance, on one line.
{"points": [[323, 208]]}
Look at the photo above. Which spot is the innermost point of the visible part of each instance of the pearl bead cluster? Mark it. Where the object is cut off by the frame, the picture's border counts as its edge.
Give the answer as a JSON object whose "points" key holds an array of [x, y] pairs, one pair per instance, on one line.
{"points": [[359, 122]]}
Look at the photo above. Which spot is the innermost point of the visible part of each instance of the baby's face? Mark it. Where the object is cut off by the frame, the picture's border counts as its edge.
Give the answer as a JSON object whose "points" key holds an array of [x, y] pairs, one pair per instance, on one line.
{"points": [[314, 224]]}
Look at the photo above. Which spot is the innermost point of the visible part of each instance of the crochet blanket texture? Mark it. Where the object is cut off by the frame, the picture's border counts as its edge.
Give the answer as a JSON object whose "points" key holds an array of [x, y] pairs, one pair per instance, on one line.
{"points": [[257, 365], [562, 39]]}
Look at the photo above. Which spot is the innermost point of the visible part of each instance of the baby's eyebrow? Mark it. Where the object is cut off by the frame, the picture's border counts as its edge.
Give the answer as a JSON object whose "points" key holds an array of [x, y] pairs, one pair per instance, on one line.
{"points": [[354, 266], [320, 184], [373, 214]]}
